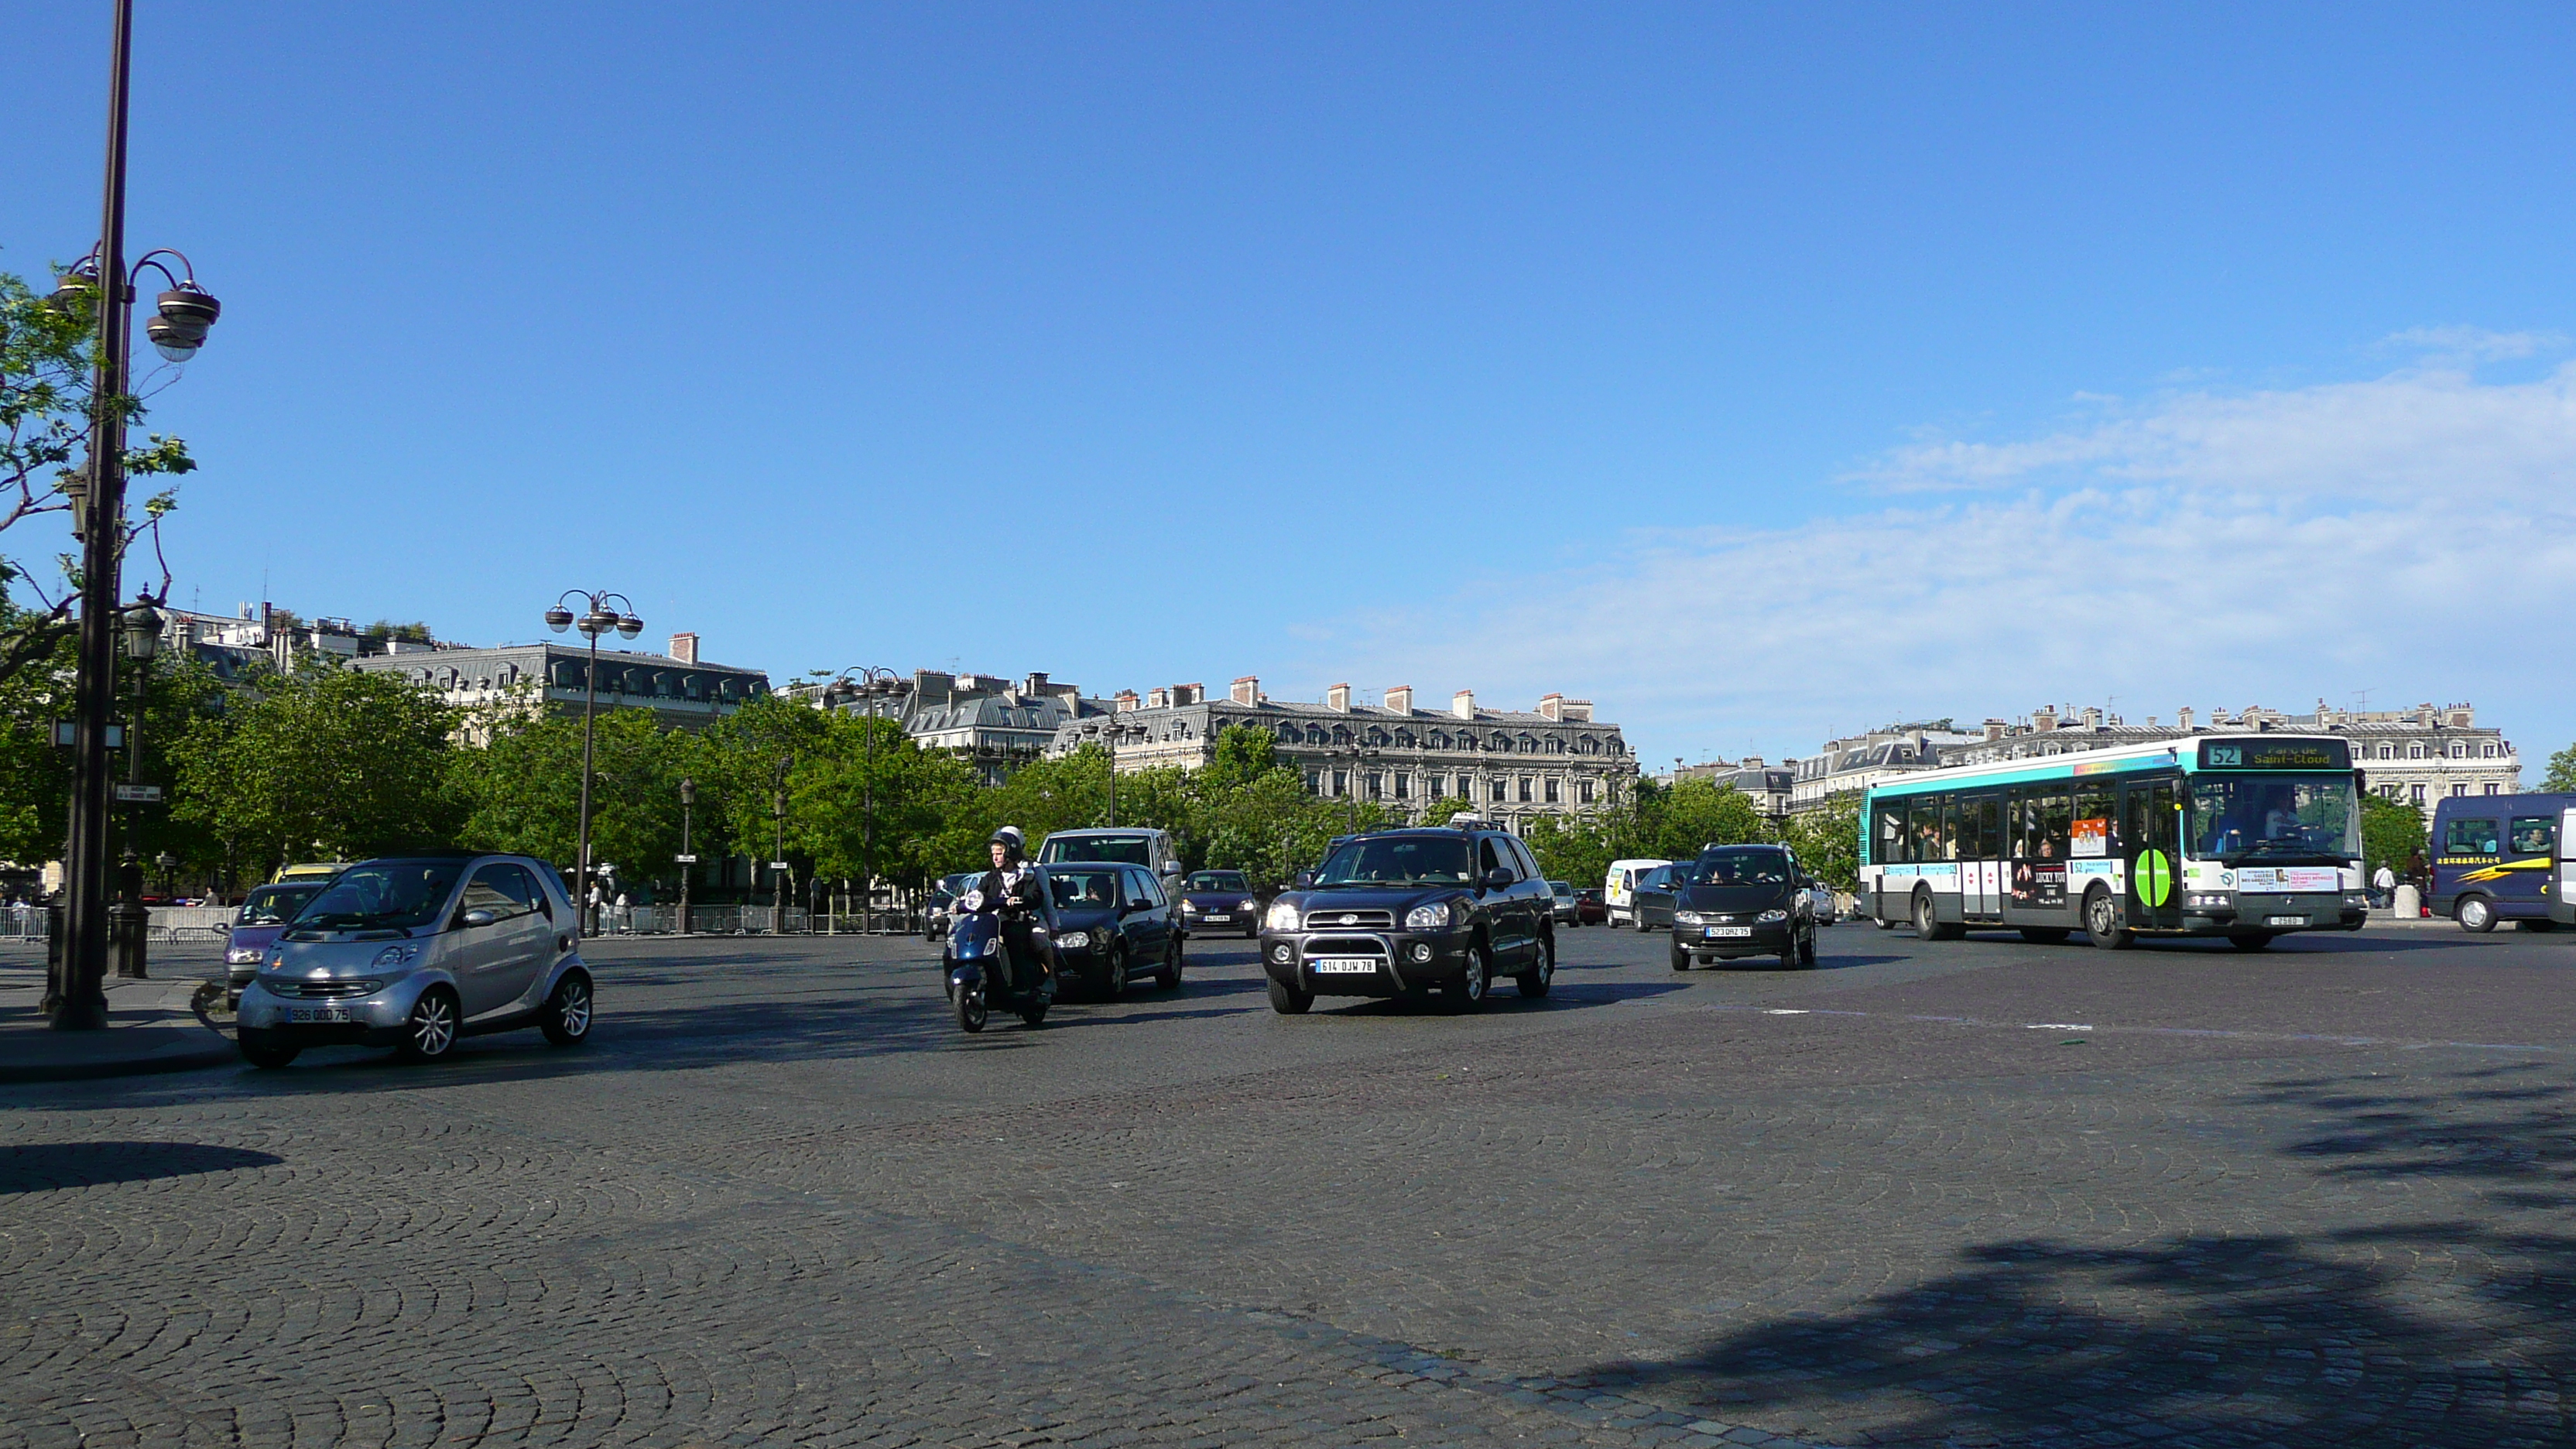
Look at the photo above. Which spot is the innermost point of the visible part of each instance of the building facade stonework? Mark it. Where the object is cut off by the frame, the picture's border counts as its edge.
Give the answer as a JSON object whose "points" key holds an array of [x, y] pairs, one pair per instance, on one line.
{"points": [[682, 690], [1509, 764]]}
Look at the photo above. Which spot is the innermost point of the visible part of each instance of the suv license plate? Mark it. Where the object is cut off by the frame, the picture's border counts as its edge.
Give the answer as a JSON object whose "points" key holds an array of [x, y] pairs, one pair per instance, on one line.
{"points": [[1344, 966], [320, 1013], [1715, 932], [2285, 920]]}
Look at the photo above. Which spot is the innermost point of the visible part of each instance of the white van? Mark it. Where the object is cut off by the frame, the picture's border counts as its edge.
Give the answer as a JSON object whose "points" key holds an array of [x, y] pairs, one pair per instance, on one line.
{"points": [[1616, 892], [1153, 849]]}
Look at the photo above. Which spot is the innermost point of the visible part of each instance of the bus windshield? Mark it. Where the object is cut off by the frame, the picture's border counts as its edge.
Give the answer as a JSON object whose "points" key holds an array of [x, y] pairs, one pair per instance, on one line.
{"points": [[2284, 819]]}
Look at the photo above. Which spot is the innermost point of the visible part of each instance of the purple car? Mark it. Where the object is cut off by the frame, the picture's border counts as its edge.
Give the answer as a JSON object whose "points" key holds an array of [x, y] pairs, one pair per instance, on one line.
{"points": [[259, 922], [1220, 900]]}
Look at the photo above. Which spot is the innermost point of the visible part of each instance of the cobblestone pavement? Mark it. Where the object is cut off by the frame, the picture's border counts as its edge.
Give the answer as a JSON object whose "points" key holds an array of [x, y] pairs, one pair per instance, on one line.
{"points": [[1980, 1192]]}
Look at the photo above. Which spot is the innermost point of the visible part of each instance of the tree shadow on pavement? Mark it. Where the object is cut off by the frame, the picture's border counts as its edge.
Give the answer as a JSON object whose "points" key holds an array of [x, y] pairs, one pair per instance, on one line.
{"points": [[2401, 1332], [45, 1166]]}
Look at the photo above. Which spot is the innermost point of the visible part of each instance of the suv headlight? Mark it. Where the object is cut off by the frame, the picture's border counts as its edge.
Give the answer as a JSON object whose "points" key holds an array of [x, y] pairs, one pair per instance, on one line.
{"points": [[1771, 917], [1686, 918], [1282, 917], [1433, 917]]}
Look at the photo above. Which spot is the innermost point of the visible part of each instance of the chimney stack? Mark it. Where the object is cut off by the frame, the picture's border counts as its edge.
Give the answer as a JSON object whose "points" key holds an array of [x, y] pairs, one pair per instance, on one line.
{"points": [[1158, 698], [684, 647], [1189, 693], [1551, 706], [1247, 690], [2044, 719], [1995, 729], [2182, 719], [2092, 718], [1339, 697], [1463, 704], [1125, 700], [1400, 699]]}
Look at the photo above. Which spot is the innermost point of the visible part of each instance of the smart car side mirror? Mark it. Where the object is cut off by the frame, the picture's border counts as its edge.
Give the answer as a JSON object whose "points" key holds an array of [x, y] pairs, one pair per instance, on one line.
{"points": [[477, 918]]}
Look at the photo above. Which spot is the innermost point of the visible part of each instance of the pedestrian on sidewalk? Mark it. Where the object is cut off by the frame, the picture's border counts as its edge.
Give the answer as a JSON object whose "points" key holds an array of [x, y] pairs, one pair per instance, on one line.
{"points": [[2383, 886]]}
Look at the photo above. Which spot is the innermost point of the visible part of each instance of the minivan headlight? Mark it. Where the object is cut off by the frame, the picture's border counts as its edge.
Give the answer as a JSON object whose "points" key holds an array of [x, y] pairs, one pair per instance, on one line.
{"points": [[1432, 917], [1282, 917], [1771, 916]]}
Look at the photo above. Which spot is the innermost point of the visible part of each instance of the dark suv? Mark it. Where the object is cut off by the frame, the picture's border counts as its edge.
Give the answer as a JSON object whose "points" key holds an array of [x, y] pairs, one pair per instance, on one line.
{"points": [[1742, 900], [1407, 912]]}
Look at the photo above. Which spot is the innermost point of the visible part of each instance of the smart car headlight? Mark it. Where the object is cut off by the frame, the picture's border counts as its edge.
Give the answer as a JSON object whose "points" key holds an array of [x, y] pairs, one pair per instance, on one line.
{"points": [[1282, 917], [393, 956], [1433, 917]]}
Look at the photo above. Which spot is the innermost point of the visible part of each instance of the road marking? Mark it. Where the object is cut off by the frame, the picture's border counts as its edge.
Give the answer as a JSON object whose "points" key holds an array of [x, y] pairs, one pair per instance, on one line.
{"points": [[1784, 1011], [2399, 1042], [2057, 1026]]}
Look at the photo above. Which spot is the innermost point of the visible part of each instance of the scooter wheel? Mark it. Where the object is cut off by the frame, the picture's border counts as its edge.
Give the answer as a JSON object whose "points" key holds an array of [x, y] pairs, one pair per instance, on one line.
{"points": [[970, 1010]]}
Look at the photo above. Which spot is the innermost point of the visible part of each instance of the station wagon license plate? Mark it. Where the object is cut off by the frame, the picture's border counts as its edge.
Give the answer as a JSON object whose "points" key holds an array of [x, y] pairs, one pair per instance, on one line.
{"points": [[1344, 966], [2285, 920], [1719, 932], [320, 1013]]}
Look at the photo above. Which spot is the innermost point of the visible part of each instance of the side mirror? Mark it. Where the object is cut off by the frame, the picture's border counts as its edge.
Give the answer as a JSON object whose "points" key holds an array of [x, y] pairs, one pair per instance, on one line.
{"points": [[1497, 879], [1305, 881], [477, 918], [1170, 867]]}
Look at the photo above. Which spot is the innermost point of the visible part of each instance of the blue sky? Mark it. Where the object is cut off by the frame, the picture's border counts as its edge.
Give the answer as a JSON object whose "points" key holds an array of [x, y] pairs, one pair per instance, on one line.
{"points": [[1760, 373]]}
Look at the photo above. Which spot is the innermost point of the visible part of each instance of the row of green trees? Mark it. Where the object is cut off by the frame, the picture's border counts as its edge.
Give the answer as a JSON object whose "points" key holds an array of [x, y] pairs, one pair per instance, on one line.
{"points": [[331, 763]]}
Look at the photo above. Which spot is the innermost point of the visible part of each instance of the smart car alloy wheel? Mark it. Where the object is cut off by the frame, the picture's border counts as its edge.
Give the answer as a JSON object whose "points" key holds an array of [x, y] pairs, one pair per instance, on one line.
{"points": [[429, 1032]]}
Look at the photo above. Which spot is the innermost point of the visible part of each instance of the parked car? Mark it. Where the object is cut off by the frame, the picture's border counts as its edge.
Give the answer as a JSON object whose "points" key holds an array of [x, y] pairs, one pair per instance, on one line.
{"points": [[1621, 881], [1220, 900], [415, 951], [943, 900], [1569, 912], [1743, 900], [256, 927], [1651, 898], [1155, 850], [1103, 923], [1411, 911], [1820, 900], [1589, 908]]}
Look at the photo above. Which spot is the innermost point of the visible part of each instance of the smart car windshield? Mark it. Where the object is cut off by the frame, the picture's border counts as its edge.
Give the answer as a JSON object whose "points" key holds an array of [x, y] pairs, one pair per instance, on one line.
{"points": [[1398, 860], [275, 905], [1740, 868], [404, 894], [2274, 818], [1075, 890]]}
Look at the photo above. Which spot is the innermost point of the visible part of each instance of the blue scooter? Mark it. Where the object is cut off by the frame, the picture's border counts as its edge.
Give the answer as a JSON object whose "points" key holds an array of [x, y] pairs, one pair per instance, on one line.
{"points": [[978, 975]]}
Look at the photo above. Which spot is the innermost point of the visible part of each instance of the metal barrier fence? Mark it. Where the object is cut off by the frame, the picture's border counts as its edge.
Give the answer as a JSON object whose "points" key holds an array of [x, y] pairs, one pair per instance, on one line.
{"points": [[750, 920]]}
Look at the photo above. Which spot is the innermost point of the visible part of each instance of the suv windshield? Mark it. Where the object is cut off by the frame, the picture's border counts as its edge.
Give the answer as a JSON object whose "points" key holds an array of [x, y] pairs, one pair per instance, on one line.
{"points": [[1074, 890], [1122, 849], [1398, 860], [275, 905], [1740, 868], [2274, 817], [1219, 880], [398, 893]]}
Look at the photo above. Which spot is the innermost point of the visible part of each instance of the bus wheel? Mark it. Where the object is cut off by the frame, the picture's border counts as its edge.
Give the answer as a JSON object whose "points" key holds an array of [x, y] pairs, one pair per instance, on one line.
{"points": [[2475, 913], [1927, 923], [2102, 922], [2249, 940]]}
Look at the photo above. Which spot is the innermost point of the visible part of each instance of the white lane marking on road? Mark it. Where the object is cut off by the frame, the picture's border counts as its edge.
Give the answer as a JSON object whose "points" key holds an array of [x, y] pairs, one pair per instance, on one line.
{"points": [[1783, 1011], [2056, 1026], [2214, 1034]]}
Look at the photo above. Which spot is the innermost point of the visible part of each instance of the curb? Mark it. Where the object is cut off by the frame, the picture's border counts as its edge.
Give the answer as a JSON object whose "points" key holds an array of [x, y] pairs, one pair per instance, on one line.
{"points": [[188, 1043], [217, 1055]]}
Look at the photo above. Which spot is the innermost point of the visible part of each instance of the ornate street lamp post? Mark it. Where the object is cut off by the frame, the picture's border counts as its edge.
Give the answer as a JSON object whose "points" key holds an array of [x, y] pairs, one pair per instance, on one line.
{"points": [[596, 618], [103, 281], [688, 856], [129, 920]]}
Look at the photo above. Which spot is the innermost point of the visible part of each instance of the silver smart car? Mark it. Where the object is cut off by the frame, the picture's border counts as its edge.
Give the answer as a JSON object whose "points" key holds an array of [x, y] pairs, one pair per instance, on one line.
{"points": [[414, 951]]}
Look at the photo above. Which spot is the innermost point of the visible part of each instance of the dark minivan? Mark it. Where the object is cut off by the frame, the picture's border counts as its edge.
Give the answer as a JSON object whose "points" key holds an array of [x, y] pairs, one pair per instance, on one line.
{"points": [[2496, 858], [1742, 900]]}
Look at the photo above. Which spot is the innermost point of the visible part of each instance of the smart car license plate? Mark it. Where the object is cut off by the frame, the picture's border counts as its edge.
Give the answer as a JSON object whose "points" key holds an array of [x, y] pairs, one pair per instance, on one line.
{"points": [[1720, 932], [320, 1013], [1344, 966], [2285, 920], [1217, 920]]}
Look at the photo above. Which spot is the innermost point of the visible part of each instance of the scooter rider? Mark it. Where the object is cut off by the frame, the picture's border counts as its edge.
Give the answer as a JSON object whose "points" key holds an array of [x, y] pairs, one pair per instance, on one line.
{"points": [[1010, 891]]}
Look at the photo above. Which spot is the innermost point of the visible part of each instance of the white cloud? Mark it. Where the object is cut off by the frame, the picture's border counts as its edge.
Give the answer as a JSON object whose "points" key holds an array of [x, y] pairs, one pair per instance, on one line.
{"points": [[2413, 535], [2471, 344]]}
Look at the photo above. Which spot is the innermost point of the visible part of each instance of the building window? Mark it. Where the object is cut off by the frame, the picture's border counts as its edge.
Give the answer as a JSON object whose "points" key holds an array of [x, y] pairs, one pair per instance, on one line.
{"points": [[2415, 751], [1582, 792], [2419, 793], [1314, 782], [1403, 786], [2459, 751], [1552, 789], [1501, 791], [1525, 789], [1341, 782], [1439, 786], [2460, 789], [2491, 787], [2489, 752], [1555, 746], [1376, 785], [1439, 742]]}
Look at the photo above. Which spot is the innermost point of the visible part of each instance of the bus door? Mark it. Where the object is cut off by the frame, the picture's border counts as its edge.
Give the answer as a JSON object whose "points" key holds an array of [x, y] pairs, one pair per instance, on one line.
{"points": [[2151, 846], [2562, 901]]}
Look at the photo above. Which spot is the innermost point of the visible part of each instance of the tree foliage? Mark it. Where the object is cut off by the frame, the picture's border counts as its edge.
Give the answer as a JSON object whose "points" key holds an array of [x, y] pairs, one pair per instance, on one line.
{"points": [[2561, 778], [2391, 830]]}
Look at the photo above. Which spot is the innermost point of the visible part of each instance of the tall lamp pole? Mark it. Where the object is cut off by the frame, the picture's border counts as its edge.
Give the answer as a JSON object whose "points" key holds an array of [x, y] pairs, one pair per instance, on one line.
{"points": [[1109, 736], [869, 682], [596, 618], [105, 283], [129, 920], [688, 856]]}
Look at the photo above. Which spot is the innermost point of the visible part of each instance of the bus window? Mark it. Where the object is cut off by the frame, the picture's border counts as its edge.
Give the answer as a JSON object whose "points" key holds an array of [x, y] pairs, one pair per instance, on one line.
{"points": [[1980, 828], [1925, 818], [2095, 831], [2470, 837], [2053, 823], [2534, 835], [1887, 845], [2017, 826]]}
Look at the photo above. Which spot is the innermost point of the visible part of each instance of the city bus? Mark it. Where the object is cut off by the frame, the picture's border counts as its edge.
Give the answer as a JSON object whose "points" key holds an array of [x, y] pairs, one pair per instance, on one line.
{"points": [[2245, 837]]}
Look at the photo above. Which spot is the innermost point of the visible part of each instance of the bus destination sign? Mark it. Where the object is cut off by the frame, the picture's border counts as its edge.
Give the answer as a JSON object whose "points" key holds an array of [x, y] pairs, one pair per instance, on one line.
{"points": [[2243, 754]]}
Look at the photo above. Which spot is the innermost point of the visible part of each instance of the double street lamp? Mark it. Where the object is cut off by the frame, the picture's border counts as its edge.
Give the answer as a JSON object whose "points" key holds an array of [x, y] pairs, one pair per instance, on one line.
{"points": [[104, 282], [870, 684], [595, 619]]}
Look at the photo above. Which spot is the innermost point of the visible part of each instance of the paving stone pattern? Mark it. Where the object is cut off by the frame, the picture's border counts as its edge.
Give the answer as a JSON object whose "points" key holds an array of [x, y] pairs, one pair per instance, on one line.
{"points": [[1938, 1193]]}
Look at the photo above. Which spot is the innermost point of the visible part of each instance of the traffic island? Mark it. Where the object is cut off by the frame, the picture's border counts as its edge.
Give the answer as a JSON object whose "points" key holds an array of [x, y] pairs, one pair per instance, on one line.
{"points": [[151, 1027]]}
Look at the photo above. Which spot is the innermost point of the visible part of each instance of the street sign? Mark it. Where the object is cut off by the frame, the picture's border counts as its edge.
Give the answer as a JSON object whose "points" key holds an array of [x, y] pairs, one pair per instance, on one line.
{"points": [[138, 794], [778, 865], [685, 859], [67, 734]]}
